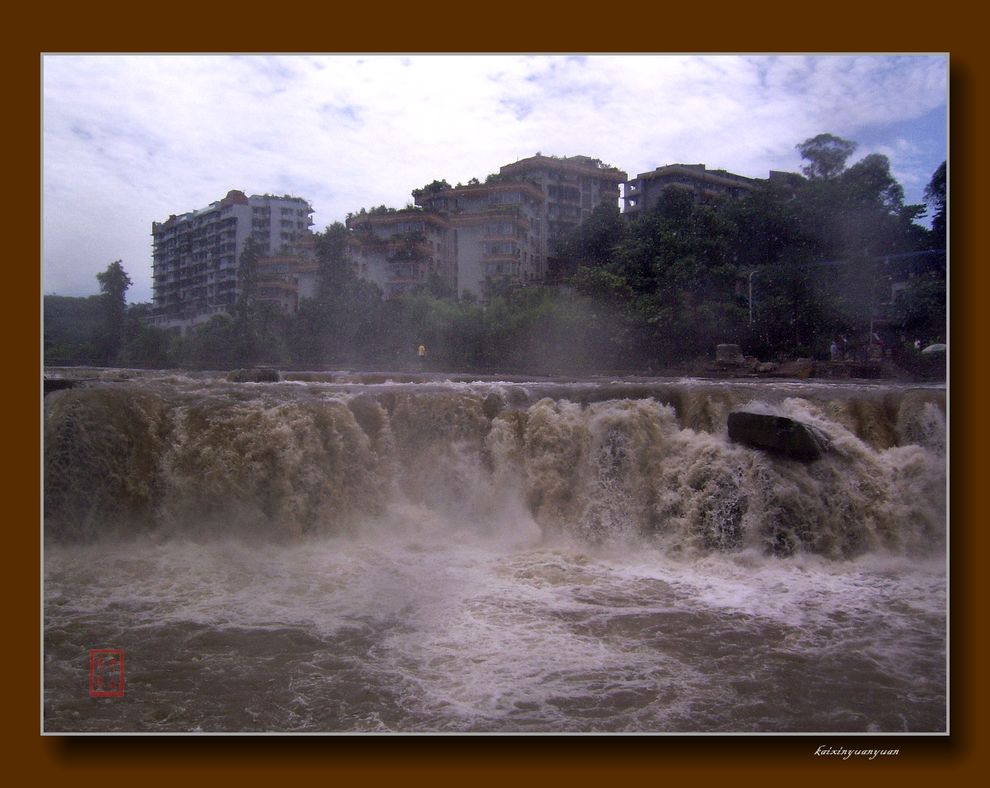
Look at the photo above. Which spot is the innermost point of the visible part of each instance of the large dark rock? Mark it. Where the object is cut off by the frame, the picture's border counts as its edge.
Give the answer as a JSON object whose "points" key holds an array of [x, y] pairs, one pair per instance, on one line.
{"points": [[493, 404], [57, 384], [778, 434]]}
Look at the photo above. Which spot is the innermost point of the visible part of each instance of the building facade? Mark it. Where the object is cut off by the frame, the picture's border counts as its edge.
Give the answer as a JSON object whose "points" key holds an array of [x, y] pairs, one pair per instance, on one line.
{"points": [[494, 232], [572, 186], [401, 250], [643, 192], [196, 255], [461, 239], [507, 228], [283, 280]]}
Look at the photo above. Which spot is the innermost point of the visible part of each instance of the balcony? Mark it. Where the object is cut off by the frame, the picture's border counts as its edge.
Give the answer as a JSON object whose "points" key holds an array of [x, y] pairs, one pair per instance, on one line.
{"points": [[501, 256], [503, 208], [501, 269]]}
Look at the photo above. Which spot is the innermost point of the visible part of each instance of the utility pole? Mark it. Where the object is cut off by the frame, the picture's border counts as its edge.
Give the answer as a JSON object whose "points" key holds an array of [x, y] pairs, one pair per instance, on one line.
{"points": [[751, 298]]}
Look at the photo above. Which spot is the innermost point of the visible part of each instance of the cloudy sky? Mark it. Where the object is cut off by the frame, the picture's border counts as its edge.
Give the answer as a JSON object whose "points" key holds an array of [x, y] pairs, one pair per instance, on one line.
{"points": [[128, 140]]}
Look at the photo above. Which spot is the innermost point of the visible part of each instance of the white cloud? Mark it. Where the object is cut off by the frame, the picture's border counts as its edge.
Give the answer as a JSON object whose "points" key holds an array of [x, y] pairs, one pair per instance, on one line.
{"points": [[131, 139]]}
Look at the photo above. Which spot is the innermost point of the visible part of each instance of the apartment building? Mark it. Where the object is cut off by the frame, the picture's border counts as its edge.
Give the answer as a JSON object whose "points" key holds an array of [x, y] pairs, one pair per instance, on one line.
{"points": [[283, 280], [196, 255], [495, 232], [644, 191], [400, 250], [507, 227], [573, 186]]}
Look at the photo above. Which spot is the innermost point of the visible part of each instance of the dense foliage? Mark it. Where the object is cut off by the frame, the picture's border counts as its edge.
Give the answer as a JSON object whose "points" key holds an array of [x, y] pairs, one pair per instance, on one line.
{"points": [[796, 264]]}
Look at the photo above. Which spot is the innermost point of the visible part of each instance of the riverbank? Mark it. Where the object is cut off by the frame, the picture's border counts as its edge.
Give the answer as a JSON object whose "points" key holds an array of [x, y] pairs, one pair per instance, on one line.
{"points": [[918, 369]]}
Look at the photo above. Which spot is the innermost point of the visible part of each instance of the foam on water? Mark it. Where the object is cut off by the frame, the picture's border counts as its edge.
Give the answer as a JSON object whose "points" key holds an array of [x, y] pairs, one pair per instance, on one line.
{"points": [[461, 558], [477, 634]]}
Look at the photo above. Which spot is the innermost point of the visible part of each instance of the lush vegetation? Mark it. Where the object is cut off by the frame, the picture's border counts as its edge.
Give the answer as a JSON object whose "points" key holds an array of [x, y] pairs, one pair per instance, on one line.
{"points": [[785, 271]]}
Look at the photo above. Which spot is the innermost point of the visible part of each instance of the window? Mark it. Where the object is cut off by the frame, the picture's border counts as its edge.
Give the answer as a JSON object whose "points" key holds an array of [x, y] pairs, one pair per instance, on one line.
{"points": [[499, 248], [500, 228], [505, 198]]}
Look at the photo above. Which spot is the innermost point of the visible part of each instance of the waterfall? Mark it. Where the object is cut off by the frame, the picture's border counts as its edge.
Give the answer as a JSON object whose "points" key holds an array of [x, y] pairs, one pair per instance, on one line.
{"points": [[601, 462]]}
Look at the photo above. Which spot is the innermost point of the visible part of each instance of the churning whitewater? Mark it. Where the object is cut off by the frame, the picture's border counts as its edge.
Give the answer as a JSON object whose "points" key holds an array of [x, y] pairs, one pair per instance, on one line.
{"points": [[354, 553]]}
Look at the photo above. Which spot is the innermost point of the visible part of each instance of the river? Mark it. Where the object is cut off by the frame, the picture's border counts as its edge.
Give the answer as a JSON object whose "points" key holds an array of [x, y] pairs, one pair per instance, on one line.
{"points": [[345, 552]]}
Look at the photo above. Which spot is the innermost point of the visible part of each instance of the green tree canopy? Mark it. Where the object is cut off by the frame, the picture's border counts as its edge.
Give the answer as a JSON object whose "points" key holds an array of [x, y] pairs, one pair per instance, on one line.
{"points": [[937, 199], [431, 188], [247, 273], [826, 155], [114, 282], [595, 240]]}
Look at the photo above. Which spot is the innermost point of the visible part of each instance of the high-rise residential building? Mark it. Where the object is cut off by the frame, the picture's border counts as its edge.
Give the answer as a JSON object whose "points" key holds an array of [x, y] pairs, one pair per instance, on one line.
{"points": [[197, 255], [573, 186], [507, 227], [400, 250], [645, 190], [283, 280], [495, 232]]}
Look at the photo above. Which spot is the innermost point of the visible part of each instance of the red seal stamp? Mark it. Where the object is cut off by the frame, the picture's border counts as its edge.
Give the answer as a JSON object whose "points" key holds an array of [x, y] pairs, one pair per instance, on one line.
{"points": [[106, 672]]}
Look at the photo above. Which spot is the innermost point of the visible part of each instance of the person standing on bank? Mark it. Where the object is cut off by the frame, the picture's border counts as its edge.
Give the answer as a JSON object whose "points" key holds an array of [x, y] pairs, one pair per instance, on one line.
{"points": [[421, 352]]}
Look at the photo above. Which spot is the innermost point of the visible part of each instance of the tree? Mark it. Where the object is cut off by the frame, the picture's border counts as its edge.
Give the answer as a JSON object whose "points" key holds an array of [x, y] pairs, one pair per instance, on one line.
{"points": [[431, 188], [210, 344], [921, 306], [436, 286], [247, 272], [594, 241], [826, 155], [335, 269], [765, 224], [678, 267], [343, 323], [870, 182], [113, 285], [145, 344], [936, 197], [75, 327]]}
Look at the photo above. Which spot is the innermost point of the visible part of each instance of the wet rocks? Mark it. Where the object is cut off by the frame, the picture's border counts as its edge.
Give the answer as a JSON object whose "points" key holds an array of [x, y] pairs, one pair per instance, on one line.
{"points": [[58, 384], [729, 354], [493, 404], [778, 434], [256, 375], [802, 368]]}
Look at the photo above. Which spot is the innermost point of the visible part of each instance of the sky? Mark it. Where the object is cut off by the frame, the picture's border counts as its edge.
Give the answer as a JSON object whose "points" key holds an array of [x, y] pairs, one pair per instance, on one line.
{"points": [[130, 139]]}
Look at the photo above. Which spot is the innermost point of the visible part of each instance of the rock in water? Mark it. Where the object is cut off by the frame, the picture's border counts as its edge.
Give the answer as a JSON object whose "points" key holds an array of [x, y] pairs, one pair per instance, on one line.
{"points": [[57, 384], [778, 434]]}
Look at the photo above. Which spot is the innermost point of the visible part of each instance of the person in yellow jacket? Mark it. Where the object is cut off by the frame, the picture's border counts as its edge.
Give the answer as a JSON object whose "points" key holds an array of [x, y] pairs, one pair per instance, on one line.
{"points": [[421, 352]]}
